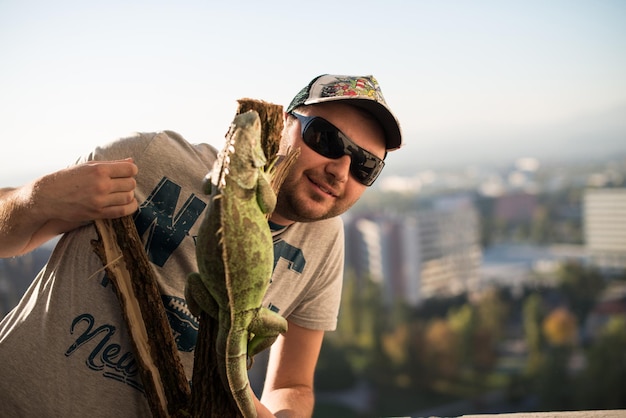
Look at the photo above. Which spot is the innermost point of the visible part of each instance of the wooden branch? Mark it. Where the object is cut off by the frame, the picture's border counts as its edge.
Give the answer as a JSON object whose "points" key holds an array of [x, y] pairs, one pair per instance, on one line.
{"points": [[271, 116], [209, 397], [126, 263]]}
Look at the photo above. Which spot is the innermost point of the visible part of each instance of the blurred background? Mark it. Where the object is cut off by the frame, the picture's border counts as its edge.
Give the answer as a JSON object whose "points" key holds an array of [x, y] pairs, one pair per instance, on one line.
{"points": [[485, 269]]}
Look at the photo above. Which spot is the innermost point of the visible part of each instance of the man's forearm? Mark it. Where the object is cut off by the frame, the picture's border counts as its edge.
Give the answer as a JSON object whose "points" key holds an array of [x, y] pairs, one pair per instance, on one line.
{"points": [[58, 202], [289, 402], [17, 226]]}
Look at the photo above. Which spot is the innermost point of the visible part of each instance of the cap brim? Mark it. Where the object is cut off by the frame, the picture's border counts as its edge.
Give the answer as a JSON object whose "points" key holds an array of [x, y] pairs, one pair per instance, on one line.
{"points": [[390, 125]]}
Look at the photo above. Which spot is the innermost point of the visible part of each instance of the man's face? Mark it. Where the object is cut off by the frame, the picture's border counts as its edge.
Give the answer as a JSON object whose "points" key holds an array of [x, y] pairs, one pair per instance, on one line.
{"points": [[318, 187]]}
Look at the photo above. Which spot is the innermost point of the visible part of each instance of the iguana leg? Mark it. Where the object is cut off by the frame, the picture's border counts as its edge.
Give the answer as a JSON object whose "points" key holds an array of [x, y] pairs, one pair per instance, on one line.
{"points": [[265, 196], [265, 326], [198, 297]]}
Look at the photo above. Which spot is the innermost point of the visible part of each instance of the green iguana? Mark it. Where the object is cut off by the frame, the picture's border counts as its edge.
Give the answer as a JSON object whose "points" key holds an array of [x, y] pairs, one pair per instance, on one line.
{"points": [[235, 257]]}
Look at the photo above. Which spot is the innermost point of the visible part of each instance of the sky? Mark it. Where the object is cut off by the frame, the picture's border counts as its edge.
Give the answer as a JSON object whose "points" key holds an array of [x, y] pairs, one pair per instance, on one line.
{"points": [[465, 78]]}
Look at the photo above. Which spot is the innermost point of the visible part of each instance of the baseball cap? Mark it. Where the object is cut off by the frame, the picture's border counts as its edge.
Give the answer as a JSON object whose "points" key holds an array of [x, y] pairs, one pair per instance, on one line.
{"points": [[360, 91]]}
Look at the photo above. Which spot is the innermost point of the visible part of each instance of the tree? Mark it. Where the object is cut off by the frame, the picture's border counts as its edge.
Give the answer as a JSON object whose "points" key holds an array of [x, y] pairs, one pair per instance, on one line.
{"points": [[440, 349], [603, 383], [333, 371], [462, 321], [532, 319], [555, 384], [560, 328], [492, 313], [581, 286]]}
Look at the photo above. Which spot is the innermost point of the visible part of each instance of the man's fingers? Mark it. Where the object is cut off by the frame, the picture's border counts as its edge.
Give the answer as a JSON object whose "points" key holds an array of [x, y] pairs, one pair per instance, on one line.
{"points": [[119, 199], [117, 211], [124, 169], [116, 169], [123, 184]]}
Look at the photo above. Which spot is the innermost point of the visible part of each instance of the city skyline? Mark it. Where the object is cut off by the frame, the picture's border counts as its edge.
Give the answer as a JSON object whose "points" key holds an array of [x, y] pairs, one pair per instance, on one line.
{"points": [[466, 80]]}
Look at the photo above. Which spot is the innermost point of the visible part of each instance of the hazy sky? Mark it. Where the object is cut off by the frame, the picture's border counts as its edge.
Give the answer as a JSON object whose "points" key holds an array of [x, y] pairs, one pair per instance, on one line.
{"points": [[75, 74]]}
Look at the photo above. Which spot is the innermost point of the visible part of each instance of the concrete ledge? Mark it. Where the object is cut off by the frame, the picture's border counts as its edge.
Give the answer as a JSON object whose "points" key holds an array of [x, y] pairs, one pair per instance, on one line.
{"points": [[568, 414]]}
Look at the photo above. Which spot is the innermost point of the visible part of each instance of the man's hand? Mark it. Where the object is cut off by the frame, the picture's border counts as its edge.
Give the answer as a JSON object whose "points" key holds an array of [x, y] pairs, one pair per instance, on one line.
{"points": [[94, 190], [59, 202]]}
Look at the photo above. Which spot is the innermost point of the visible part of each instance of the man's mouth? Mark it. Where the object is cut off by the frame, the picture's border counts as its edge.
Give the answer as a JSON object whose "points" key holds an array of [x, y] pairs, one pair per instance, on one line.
{"points": [[324, 188]]}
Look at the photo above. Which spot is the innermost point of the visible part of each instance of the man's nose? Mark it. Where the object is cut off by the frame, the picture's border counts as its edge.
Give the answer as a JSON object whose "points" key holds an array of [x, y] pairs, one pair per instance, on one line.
{"points": [[339, 168]]}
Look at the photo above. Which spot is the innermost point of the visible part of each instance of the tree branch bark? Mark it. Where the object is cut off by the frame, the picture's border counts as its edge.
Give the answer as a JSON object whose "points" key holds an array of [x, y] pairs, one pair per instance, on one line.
{"points": [[127, 266]]}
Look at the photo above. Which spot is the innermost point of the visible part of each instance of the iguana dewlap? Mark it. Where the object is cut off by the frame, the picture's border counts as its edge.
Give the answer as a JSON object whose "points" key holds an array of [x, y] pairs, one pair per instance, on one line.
{"points": [[235, 257]]}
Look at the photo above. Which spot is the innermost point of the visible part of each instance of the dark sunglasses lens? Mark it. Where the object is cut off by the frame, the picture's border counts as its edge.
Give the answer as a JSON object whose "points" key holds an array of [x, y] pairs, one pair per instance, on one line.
{"points": [[326, 139], [366, 170], [323, 139]]}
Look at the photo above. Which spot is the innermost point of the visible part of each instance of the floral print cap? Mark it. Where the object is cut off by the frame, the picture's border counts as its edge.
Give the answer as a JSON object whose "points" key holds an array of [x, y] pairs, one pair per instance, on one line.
{"points": [[361, 91]]}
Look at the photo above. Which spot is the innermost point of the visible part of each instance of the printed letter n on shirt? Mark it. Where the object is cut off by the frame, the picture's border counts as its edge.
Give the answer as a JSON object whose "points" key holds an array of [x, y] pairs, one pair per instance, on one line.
{"points": [[166, 229]]}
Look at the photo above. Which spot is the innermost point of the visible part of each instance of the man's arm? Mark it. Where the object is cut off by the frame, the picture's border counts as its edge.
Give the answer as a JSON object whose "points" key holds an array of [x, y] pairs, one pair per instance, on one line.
{"points": [[288, 390], [59, 202]]}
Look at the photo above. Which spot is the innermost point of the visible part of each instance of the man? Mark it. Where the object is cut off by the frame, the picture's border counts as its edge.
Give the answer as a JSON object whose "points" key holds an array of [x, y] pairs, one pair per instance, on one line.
{"points": [[64, 350]]}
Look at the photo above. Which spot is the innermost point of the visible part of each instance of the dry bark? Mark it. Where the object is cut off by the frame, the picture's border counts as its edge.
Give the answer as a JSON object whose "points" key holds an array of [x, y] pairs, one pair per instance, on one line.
{"points": [[271, 117], [209, 397], [127, 266]]}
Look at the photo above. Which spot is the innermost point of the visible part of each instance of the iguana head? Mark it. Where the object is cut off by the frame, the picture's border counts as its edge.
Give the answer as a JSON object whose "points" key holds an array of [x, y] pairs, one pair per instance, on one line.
{"points": [[242, 156]]}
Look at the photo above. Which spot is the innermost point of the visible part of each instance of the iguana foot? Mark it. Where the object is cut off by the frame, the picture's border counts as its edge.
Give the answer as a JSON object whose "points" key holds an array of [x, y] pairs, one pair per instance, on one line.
{"points": [[198, 297], [265, 326]]}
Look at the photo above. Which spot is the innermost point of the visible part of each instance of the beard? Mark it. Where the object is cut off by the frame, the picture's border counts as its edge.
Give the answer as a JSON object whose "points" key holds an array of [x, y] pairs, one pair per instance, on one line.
{"points": [[295, 204]]}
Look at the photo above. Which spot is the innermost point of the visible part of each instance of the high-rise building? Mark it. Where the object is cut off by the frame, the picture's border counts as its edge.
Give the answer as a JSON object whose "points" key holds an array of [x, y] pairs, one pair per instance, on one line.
{"points": [[604, 216], [429, 252]]}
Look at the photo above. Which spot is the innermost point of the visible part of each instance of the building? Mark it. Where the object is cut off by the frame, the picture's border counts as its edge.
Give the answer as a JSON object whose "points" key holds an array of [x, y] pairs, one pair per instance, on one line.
{"points": [[515, 207], [604, 216], [450, 247], [429, 252]]}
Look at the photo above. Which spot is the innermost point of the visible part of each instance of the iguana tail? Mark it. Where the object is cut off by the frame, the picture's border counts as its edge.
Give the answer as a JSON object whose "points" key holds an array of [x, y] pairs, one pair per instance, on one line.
{"points": [[234, 369]]}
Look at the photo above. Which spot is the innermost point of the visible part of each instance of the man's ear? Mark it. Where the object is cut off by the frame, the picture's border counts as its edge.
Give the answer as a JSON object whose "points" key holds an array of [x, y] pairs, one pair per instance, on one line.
{"points": [[287, 140]]}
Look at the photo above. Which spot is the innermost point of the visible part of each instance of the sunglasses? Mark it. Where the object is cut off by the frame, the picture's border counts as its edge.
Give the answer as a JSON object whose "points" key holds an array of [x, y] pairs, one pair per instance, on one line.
{"points": [[325, 139]]}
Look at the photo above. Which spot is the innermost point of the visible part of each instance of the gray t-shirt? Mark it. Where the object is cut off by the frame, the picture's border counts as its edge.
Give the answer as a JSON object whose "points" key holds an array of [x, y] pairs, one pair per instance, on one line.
{"points": [[65, 350]]}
